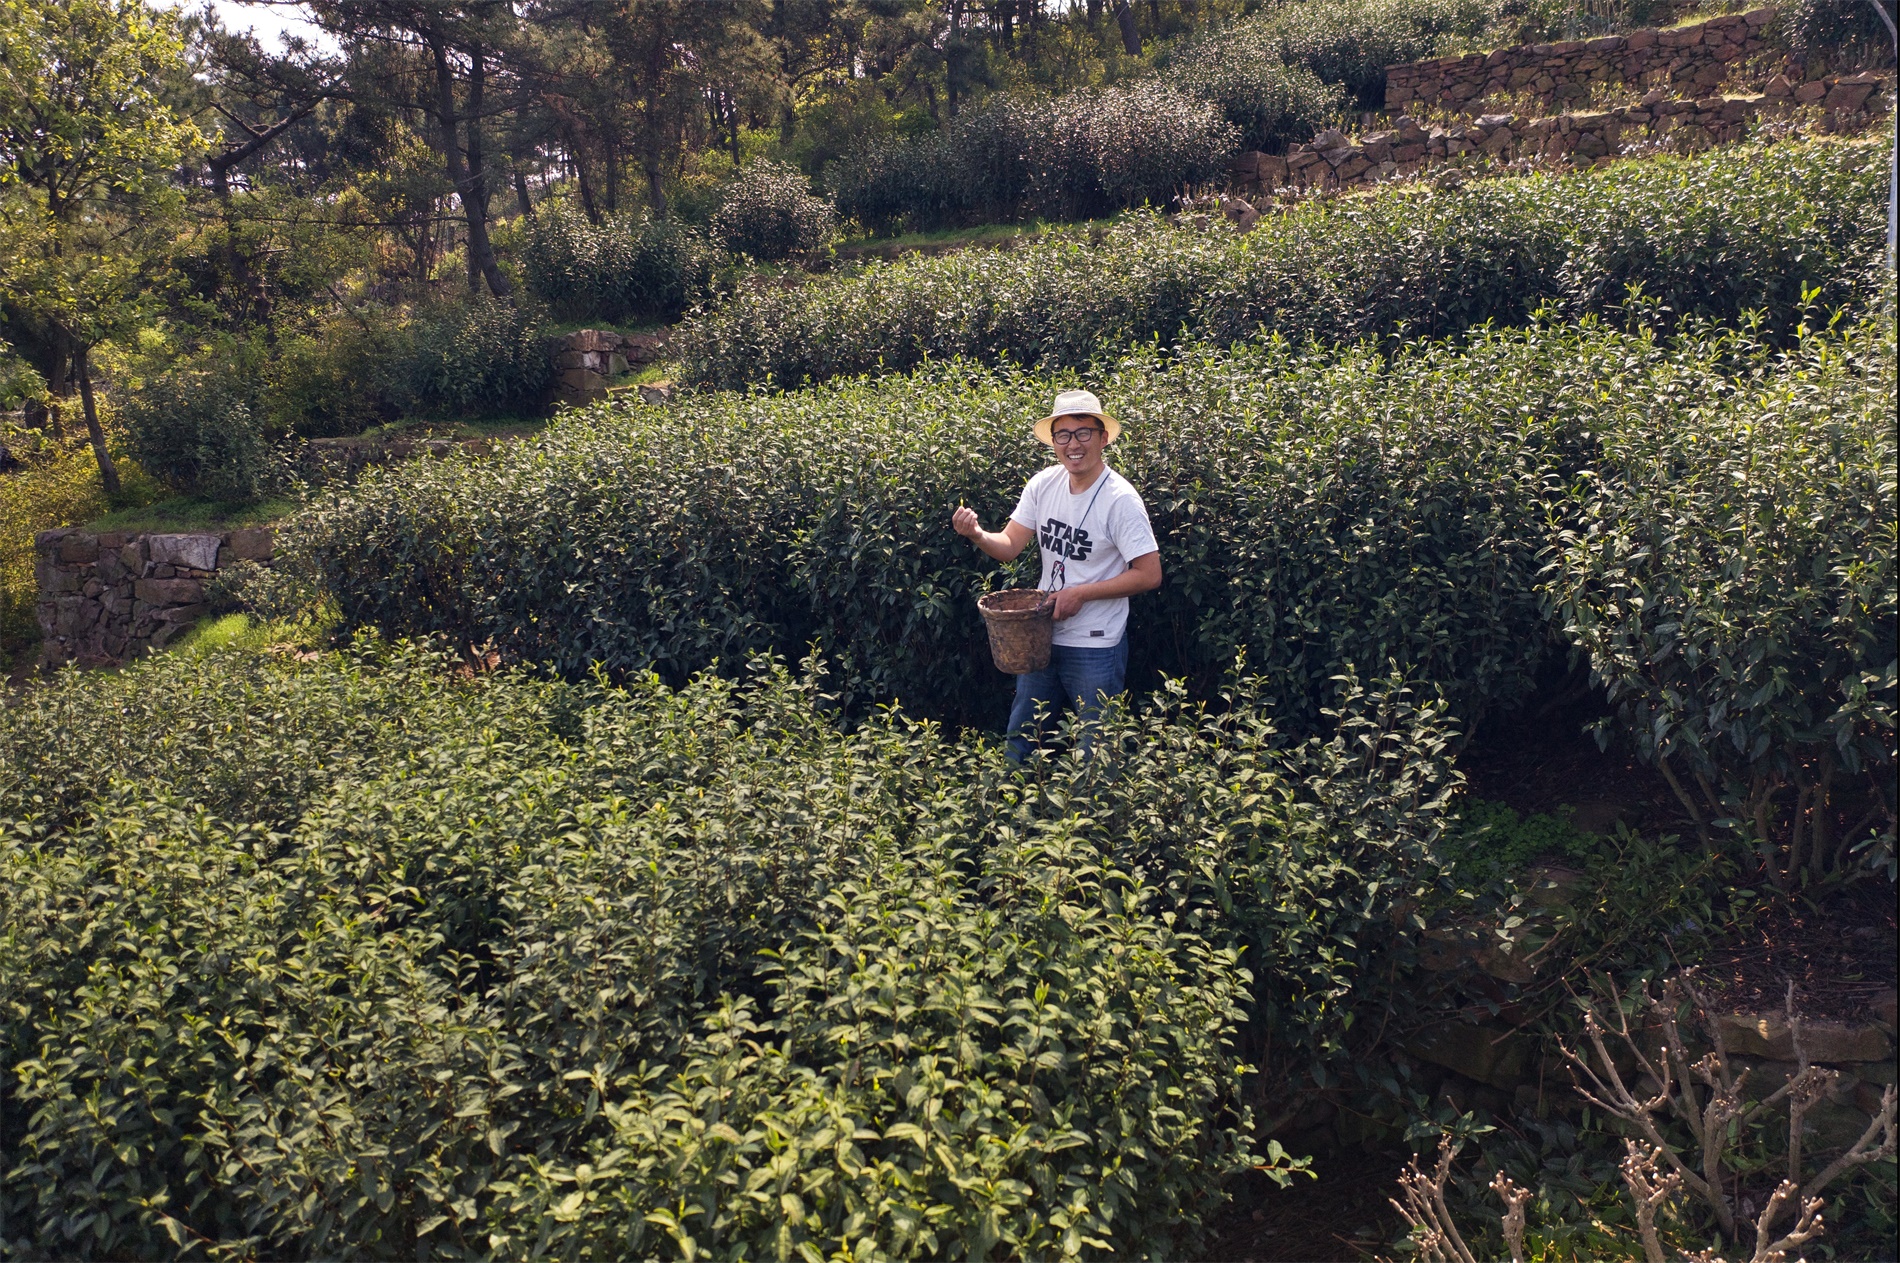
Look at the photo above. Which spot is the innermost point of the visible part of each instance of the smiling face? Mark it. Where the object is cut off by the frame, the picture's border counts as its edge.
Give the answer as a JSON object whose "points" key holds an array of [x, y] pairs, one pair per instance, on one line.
{"points": [[1079, 441]]}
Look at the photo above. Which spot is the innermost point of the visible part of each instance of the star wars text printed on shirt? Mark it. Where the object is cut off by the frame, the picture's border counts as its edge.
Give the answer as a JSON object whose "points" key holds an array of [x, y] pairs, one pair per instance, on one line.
{"points": [[1059, 539]]}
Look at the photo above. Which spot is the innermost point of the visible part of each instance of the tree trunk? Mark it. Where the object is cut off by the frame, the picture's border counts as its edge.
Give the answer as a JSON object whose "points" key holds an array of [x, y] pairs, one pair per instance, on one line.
{"points": [[521, 192], [470, 188], [1094, 18], [1131, 37], [108, 475], [653, 155], [588, 206]]}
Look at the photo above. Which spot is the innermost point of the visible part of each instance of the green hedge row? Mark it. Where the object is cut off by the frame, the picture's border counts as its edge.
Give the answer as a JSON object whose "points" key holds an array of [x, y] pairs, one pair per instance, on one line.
{"points": [[1463, 510], [1081, 154], [1713, 235], [353, 956]]}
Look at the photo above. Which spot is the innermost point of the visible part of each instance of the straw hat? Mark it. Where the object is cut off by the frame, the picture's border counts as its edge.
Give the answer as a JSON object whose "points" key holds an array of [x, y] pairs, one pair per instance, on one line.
{"points": [[1078, 403]]}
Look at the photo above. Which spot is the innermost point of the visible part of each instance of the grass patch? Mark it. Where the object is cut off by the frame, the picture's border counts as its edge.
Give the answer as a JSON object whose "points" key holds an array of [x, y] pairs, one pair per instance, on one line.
{"points": [[241, 631], [982, 234], [622, 327], [191, 513]]}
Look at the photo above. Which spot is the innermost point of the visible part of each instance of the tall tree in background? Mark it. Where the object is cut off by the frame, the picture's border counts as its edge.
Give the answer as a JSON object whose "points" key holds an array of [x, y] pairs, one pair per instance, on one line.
{"points": [[88, 149], [670, 53], [451, 63]]}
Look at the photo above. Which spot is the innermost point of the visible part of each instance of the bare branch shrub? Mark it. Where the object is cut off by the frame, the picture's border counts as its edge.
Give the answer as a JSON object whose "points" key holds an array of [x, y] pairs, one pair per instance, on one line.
{"points": [[1705, 1096]]}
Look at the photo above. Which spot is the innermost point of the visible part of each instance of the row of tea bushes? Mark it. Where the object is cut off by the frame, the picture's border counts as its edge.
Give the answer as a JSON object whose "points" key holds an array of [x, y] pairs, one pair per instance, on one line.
{"points": [[356, 955], [1455, 509], [1084, 153], [1731, 579], [1261, 83], [1714, 235]]}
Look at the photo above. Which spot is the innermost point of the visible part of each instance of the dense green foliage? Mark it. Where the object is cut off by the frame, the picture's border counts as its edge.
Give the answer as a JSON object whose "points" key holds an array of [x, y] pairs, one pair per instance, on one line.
{"points": [[1314, 510], [630, 267], [352, 955], [1275, 78], [1732, 581], [480, 357], [770, 213], [1351, 42], [200, 433], [1270, 104], [1069, 157], [1712, 235]]}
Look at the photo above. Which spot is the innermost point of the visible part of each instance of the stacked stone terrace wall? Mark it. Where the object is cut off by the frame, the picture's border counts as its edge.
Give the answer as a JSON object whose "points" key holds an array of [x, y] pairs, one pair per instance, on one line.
{"points": [[1688, 60], [1580, 139], [588, 359], [110, 596]]}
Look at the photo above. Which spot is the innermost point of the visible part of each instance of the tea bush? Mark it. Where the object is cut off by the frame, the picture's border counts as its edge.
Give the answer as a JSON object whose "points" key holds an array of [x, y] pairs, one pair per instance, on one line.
{"points": [[1713, 235], [1732, 581], [200, 432], [1270, 104], [1068, 157], [1314, 509], [56, 484], [473, 357], [333, 381], [630, 268], [770, 214], [1351, 42], [354, 954]]}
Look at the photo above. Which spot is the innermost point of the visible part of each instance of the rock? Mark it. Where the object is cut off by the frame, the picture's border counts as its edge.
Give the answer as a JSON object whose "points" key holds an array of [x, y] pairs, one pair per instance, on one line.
{"points": [[251, 544], [1637, 41], [180, 614], [656, 392], [1272, 171], [1830, 1043], [1496, 1057], [200, 552], [79, 549], [592, 340], [583, 380], [1808, 93], [1883, 1009], [1552, 884], [616, 364], [1847, 97], [644, 348], [160, 592], [1498, 141], [1239, 213], [1331, 138]]}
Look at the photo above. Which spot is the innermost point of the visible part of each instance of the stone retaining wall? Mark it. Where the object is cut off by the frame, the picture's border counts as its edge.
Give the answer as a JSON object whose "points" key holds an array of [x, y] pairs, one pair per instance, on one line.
{"points": [[107, 597], [1495, 1064], [1331, 161], [1689, 60], [589, 358]]}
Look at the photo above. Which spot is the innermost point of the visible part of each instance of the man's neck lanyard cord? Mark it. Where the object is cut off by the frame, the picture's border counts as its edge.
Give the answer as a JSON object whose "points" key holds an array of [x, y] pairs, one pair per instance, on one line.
{"points": [[1060, 572]]}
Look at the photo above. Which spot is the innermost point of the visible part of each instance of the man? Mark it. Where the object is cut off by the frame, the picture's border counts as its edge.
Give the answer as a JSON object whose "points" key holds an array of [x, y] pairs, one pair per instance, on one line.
{"points": [[1097, 551]]}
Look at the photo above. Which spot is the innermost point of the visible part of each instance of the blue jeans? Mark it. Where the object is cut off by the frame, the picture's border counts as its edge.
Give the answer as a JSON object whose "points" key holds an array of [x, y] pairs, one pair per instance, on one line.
{"points": [[1076, 676]]}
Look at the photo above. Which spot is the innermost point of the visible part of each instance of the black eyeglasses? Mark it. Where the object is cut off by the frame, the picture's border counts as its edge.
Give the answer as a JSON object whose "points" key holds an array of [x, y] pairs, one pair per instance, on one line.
{"points": [[1076, 436]]}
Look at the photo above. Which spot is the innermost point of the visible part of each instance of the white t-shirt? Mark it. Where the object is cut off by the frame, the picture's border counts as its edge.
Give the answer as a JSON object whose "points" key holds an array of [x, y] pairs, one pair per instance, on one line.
{"points": [[1086, 539]]}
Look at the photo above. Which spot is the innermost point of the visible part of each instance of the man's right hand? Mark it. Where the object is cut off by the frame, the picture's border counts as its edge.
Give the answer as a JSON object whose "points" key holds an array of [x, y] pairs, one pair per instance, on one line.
{"points": [[964, 523]]}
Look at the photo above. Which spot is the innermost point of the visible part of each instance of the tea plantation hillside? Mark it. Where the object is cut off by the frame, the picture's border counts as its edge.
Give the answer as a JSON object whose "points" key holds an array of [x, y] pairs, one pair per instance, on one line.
{"points": [[1449, 509], [352, 956], [498, 889], [1734, 230]]}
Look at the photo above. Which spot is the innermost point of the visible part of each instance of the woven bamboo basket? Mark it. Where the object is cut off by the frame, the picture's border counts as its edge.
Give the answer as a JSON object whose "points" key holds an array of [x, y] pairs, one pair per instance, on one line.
{"points": [[1022, 622]]}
